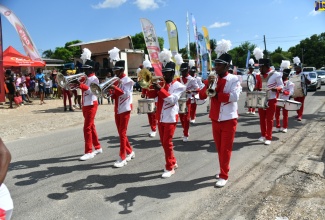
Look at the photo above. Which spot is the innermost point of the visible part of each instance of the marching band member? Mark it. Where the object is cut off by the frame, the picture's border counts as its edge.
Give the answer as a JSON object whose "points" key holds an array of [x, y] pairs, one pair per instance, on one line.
{"points": [[272, 83], [191, 85], [258, 82], [122, 95], [89, 108], [150, 93], [307, 79], [285, 93], [192, 72], [223, 109], [167, 110]]}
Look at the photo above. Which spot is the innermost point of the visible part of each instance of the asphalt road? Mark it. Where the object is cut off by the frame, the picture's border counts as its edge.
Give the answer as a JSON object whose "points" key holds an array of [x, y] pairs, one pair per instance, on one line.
{"points": [[47, 181]]}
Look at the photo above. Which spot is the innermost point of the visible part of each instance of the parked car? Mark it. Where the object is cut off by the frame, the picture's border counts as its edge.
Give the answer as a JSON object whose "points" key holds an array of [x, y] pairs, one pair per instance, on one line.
{"points": [[308, 69], [315, 81], [292, 73], [321, 75]]}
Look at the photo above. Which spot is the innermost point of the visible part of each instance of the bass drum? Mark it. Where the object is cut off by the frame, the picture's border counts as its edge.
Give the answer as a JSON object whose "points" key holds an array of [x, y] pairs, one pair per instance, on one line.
{"points": [[199, 101], [300, 89], [251, 82], [146, 106]]}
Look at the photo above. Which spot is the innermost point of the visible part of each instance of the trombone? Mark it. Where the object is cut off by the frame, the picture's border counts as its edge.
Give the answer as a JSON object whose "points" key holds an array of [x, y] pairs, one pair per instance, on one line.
{"points": [[211, 90]]}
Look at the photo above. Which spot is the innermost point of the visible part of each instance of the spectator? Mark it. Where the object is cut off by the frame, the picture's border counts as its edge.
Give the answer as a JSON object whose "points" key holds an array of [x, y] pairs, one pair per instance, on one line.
{"points": [[18, 80], [23, 93], [10, 86], [40, 77], [6, 204], [100, 98], [48, 87], [66, 95], [54, 85]]}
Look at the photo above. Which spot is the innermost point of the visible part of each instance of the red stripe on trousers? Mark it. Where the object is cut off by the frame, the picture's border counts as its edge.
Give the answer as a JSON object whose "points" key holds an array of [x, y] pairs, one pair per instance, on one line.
{"points": [[90, 133], [193, 110], [166, 133], [122, 121], [152, 121], [266, 119], [285, 117], [223, 135], [185, 119], [301, 110]]}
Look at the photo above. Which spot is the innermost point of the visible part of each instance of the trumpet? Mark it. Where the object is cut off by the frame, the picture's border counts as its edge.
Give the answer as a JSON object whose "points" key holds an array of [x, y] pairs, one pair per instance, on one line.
{"points": [[211, 90], [146, 79], [101, 90], [71, 82]]}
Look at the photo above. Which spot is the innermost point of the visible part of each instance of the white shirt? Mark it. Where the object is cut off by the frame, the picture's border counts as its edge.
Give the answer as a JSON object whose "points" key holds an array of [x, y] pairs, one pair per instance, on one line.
{"points": [[274, 81], [125, 100], [23, 90], [288, 86], [191, 84], [88, 96], [5, 198]]}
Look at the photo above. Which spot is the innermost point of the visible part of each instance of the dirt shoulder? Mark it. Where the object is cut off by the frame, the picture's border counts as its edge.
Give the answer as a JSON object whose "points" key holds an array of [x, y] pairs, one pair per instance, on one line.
{"points": [[33, 119]]}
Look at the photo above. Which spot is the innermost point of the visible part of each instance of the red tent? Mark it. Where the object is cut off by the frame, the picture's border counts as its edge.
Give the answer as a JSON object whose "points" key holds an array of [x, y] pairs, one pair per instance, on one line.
{"points": [[11, 57]]}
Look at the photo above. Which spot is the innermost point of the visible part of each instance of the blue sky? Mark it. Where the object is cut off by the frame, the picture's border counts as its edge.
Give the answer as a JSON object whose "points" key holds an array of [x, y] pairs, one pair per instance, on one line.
{"points": [[53, 23]]}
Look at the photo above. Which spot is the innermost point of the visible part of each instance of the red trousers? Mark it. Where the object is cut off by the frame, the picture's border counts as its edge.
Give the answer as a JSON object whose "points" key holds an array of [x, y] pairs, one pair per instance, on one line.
{"points": [[251, 109], [185, 119], [152, 121], [301, 110], [122, 121], [266, 119], [285, 117], [90, 133], [223, 135], [67, 94], [166, 133], [193, 110]]}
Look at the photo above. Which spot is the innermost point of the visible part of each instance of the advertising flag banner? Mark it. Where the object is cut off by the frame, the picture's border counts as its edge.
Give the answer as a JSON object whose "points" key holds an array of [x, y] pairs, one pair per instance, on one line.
{"points": [[2, 86], [196, 41], [207, 41], [152, 44], [26, 40], [172, 37], [247, 59], [188, 37], [204, 55]]}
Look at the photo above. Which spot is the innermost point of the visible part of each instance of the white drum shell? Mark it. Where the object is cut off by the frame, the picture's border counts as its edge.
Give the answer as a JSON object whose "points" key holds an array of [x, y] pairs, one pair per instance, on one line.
{"points": [[298, 90], [146, 106], [199, 101], [182, 105], [255, 99], [280, 103], [292, 105]]}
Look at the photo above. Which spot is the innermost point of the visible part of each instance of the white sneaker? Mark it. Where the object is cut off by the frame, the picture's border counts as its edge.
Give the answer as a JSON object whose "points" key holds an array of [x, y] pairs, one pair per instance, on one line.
{"points": [[278, 129], [168, 173], [98, 151], [192, 121], [267, 142], [87, 156], [248, 112], [252, 113], [130, 156], [120, 163], [185, 139], [285, 130], [217, 176], [261, 139], [221, 182], [152, 134], [175, 167]]}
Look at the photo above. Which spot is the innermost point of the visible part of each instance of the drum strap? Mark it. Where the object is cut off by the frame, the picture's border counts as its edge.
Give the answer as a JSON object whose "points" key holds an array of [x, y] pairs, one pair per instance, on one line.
{"points": [[265, 80]]}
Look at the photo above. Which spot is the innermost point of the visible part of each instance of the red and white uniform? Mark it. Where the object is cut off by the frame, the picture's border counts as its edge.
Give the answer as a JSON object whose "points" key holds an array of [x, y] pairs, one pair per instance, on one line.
{"points": [[151, 93], [258, 84], [167, 117], [123, 105], [193, 100], [89, 109], [191, 85], [223, 114], [287, 91], [274, 80], [302, 99]]}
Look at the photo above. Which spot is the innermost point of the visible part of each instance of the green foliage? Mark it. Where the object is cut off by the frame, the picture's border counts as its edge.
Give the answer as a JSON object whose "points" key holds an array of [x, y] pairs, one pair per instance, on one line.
{"points": [[47, 53], [239, 54], [139, 43], [65, 53]]}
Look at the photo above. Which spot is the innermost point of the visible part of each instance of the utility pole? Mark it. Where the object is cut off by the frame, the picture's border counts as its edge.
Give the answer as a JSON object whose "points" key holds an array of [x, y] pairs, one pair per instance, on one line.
{"points": [[302, 55], [265, 47]]}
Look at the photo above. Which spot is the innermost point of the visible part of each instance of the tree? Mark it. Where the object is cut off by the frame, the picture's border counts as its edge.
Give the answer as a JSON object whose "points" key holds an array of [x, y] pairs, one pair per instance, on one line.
{"points": [[47, 53], [139, 43], [63, 54], [239, 54]]}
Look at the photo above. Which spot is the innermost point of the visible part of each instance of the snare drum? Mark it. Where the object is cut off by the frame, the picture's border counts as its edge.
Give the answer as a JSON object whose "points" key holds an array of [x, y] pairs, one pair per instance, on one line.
{"points": [[182, 105], [280, 103], [146, 106], [300, 88], [199, 101], [292, 105], [255, 99]]}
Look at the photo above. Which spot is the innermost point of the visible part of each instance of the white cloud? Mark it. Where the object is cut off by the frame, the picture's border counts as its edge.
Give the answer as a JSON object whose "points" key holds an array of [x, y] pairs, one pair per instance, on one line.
{"points": [[109, 4], [222, 35], [296, 18], [314, 13], [219, 24], [256, 36], [146, 4]]}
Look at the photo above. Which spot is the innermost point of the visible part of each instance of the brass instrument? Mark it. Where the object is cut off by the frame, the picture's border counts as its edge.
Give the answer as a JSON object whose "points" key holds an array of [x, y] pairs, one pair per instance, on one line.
{"points": [[146, 79], [71, 82], [211, 90], [101, 90]]}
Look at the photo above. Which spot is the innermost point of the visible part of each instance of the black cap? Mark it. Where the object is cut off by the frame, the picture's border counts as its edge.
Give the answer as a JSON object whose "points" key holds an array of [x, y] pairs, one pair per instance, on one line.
{"points": [[89, 64], [286, 71], [193, 69], [298, 65], [8, 72], [224, 58], [264, 62], [119, 65], [151, 69], [184, 66], [170, 66]]}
